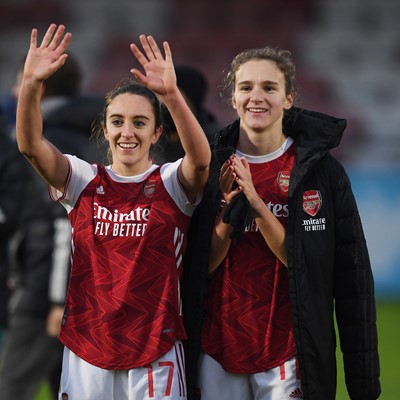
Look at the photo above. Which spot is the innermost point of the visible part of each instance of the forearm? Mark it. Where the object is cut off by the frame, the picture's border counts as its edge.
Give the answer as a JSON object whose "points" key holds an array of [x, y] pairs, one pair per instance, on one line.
{"points": [[220, 242], [44, 157], [271, 229], [29, 123]]}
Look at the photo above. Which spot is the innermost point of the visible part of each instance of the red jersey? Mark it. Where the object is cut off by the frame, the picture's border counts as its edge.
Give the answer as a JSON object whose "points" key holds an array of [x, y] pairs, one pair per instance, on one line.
{"points": [[123, 306], [248, 326]]}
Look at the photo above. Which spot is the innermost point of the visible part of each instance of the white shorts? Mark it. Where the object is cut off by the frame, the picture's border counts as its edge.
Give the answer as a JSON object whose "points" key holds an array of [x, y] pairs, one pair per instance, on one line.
{"points": [[279, 383], [162, 379]]}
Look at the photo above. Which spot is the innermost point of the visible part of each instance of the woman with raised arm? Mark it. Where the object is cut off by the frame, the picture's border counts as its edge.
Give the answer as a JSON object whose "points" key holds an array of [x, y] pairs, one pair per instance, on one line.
{"points": [[122, 326]]}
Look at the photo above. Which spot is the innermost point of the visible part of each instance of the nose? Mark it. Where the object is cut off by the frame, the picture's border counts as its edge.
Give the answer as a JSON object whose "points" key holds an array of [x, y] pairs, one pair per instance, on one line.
{"points": [[256, 95], [127, 131]]}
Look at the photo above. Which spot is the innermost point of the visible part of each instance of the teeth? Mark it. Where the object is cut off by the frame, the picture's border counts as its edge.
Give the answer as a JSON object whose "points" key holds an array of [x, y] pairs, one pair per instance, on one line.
{"points": [[127, 145], [257, 110]]}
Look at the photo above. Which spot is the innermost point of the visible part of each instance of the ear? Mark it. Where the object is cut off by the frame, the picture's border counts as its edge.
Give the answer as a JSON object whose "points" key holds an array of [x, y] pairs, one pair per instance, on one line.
{"points": [[105, 132], [288, 102], [156, 135], [233, 101]]}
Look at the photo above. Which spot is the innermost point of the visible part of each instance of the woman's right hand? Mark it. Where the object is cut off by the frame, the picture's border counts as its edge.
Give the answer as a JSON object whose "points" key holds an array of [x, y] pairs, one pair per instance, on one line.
{"points": [[43, 61], [227, 178]]}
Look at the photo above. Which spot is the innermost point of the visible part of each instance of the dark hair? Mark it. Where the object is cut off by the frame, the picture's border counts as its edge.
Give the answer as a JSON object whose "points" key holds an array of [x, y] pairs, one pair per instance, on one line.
{"points": [[127, 85], [193, 83], [67, 81], [282, 59]]}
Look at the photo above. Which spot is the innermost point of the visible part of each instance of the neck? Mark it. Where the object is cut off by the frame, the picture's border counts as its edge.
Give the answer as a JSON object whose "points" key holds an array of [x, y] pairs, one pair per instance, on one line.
{"points": [[260, 143], [130, 170]]}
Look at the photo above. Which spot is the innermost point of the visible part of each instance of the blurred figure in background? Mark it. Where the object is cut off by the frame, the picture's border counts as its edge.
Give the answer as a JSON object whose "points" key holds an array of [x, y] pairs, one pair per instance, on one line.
{"points": [[26, 251], [13, 180], [193, 85], [32, 351]]}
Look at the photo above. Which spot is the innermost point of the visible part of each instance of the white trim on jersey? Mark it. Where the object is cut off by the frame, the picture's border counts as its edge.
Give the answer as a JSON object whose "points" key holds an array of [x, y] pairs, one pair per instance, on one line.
{"points": [[82, 173], [267, 157]]}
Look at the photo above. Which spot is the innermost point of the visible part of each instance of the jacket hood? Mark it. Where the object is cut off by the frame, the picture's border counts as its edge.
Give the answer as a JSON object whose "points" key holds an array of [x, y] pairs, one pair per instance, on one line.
{"points": [[313, 131]]}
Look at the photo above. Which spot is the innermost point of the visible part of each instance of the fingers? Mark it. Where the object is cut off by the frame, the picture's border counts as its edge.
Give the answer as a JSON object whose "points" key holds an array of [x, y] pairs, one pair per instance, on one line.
{"points": [[154, 49], [139, 76], [167, 51], [53, 38], [138, 54], [34, 38], [150, 49], [48, 35], [57, 37]]}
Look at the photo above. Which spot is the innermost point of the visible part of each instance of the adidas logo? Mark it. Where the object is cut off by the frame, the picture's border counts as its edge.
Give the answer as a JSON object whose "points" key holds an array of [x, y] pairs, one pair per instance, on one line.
{"points": [[100, 190], [296, 394]]}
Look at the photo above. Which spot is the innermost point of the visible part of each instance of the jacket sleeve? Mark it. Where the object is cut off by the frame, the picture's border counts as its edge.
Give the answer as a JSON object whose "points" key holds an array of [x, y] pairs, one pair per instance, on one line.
{"points": [[354, 296], [61, 258], [12, 188]]}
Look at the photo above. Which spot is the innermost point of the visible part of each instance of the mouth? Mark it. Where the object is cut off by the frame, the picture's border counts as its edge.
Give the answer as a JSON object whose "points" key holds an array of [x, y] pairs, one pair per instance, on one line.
{"points": [[257, 110], [128, 146]]}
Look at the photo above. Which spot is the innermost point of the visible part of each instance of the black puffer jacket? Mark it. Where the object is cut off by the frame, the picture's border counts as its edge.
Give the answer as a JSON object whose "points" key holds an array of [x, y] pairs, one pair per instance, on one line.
{"points": [[43, 282], [25, 226], [328, 262]]}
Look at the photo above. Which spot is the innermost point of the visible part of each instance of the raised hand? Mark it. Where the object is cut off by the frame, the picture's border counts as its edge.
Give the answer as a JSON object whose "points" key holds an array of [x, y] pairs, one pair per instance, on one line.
{"points": [[41, 62], [159, 71]]}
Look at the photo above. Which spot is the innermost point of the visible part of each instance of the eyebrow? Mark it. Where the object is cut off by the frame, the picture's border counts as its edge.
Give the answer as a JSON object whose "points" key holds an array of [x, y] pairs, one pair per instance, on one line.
{"points": [[135, 117], [264, 82]]}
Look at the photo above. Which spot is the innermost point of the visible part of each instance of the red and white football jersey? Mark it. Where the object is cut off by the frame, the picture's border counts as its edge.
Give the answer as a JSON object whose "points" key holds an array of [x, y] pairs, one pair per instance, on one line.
{"points": [[248, 327], [123, 306]]}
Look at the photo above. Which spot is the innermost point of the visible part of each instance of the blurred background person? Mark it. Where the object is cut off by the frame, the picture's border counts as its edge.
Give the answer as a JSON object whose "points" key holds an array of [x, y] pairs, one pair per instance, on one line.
{"points": [[41, 263], [194, 87], [26, 225], [13, 179]]}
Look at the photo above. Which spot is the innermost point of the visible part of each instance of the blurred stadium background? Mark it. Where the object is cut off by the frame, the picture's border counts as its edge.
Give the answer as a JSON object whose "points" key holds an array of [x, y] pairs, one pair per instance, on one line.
{"points": [[347, 54]]}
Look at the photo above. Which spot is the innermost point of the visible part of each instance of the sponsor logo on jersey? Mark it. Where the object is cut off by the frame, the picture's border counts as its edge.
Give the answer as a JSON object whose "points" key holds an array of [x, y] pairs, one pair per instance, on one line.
{"points": [[279, 210], [117, 223], [283, 180], [314, 224], [312, 202]]}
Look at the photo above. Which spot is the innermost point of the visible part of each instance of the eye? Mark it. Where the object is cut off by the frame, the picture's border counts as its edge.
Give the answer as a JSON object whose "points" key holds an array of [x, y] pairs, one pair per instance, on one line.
{"points": [[139, 123], [117, 122], [245, 88]]}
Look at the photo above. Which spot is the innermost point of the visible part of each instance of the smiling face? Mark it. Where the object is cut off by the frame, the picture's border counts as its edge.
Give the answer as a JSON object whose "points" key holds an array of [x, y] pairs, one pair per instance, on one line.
{"points": [[130, 128], [259, 96]]}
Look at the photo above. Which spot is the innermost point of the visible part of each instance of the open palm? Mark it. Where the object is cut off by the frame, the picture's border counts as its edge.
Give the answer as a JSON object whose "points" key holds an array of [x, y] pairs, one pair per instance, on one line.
{"points": [[159, 70], [41, 62]]}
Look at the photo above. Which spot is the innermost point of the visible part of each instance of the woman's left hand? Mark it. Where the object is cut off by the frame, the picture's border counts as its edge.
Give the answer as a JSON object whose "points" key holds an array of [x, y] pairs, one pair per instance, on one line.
{"points": [[159, 71]]}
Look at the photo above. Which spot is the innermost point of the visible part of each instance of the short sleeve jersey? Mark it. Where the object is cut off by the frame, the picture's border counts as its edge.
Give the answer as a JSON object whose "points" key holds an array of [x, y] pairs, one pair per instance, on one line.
{"points": [[123, 307], [248, 327]]}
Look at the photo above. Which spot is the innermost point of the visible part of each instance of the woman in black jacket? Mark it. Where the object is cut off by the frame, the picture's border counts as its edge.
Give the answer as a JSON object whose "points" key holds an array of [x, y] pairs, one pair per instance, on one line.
{"points": [[265, 329]]}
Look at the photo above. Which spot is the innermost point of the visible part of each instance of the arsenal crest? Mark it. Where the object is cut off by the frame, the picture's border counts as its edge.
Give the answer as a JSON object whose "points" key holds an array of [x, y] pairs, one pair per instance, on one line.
{"points": [[312, 202], [283, 180], [148, 188]]}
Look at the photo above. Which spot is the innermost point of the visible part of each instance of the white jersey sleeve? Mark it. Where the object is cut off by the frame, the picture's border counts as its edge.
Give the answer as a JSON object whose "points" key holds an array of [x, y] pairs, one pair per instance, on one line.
{"points": [[80, 174], [169, 176]]}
